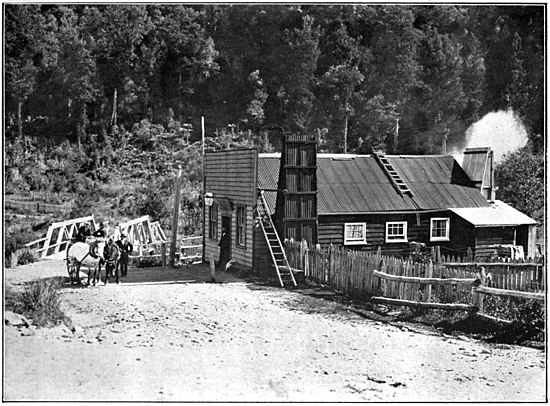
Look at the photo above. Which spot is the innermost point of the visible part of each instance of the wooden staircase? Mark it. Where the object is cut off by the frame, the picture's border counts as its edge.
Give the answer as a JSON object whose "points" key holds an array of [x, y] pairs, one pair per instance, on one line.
{"points": [[397, 182], [278, 255]]}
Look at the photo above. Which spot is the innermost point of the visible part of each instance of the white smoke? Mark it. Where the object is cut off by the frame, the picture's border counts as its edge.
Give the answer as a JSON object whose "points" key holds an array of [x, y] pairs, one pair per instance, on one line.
{"points": [[501, 130]]}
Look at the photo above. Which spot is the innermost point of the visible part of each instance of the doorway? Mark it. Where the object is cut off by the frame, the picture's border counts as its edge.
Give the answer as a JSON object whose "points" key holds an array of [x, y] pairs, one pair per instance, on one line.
{"points": [[225, 242]]}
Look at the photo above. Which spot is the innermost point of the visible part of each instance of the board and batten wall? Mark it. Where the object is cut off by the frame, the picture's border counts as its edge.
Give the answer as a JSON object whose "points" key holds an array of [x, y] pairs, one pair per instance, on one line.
{"points": [[232, 175]]}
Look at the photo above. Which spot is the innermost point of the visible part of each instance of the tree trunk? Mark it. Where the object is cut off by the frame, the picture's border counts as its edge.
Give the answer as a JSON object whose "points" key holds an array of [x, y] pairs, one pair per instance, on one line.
{"points": [[114, 116], [346, 118], [173, 244], [19, 119]]}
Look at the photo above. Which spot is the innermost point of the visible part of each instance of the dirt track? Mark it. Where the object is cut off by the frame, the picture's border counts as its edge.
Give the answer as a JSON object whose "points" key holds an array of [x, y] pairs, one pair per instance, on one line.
{"points": [[168, 335]]}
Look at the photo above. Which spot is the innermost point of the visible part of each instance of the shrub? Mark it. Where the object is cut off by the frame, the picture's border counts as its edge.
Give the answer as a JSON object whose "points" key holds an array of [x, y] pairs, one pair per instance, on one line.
{"points": [[26, 257], [528, 322], [40, 302]]}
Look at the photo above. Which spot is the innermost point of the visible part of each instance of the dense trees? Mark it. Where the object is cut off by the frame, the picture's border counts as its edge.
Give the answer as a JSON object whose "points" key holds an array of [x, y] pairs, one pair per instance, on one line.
{"points": [[356, 73], [400, 78], [521, 181]]}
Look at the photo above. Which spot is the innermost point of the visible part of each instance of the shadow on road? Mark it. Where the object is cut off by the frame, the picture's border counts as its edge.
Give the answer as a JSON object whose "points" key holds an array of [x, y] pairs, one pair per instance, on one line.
{"points": [[186, 274]]}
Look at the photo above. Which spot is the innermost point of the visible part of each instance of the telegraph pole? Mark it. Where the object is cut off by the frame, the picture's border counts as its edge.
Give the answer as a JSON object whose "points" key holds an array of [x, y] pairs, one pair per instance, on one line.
{"points": [[175, 220]]}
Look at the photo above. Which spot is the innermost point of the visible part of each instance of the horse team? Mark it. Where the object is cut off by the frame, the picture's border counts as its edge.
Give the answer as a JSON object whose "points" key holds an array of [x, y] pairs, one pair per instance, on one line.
{"points": [[96, 250]]}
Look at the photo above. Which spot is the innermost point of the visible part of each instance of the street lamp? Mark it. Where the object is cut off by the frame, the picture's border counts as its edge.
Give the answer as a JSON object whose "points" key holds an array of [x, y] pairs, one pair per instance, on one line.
{"points": [[208, 199]]}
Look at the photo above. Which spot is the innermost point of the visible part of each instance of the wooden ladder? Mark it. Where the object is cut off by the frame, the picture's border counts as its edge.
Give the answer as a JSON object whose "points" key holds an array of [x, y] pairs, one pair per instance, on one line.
{"points": [[278, 255], [397, 182]]}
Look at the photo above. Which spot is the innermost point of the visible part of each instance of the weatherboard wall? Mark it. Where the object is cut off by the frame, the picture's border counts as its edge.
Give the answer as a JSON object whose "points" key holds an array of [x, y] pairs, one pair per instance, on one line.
{"points": [[231, 175]]}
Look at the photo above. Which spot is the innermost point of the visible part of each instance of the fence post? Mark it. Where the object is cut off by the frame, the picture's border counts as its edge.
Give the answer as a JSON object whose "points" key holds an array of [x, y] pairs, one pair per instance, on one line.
{"points": [[429, 274], [212, 268], [438, 254], [163, 254], [478, 296], [381, 267], [330, 264]]}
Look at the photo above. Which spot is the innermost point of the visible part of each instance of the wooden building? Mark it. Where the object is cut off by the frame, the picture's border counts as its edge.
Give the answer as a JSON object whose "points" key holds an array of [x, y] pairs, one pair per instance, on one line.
{"points": [[362, 202]]}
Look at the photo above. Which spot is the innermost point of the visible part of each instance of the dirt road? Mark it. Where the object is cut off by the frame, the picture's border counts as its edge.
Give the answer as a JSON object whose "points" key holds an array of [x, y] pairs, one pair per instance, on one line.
{"points": [[168, 335]]}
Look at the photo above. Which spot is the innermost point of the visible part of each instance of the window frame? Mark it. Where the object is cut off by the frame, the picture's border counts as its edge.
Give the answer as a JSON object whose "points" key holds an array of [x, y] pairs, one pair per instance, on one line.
{"points": [[213, 222], [403, 237], [240, 229], [363, 241], [447, 229]]}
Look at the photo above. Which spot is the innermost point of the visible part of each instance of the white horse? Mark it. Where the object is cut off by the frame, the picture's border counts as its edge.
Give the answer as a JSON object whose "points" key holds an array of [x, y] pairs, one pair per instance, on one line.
{"points": [[78, 255]]}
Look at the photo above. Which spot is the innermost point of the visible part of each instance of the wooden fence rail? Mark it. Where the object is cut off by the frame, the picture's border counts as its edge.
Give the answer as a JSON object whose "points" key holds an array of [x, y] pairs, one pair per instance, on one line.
{"points": [[39, 207], [404, 282]]}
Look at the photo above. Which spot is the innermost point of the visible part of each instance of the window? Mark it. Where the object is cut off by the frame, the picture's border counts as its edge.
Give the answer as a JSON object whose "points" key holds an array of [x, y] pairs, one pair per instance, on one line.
{"points": [[396, 231], [241, 226], [355, 233], [213, 222], [439, 229]]}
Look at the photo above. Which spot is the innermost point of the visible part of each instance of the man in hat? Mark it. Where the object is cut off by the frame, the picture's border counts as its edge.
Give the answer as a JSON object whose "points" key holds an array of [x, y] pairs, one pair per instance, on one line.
{"points": [[101, 232], [125, 248]]}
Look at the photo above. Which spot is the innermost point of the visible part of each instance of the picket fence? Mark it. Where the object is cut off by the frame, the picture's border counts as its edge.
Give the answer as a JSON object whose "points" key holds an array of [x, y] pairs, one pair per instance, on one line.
{"points": [[439, 285]]}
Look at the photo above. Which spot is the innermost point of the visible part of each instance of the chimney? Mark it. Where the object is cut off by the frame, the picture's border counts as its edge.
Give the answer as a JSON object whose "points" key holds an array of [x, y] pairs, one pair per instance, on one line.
{"points": [[478, 165], [444, 145]]}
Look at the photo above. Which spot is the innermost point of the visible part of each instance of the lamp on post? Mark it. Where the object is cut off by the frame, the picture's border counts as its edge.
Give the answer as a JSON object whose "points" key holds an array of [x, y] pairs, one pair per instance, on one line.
{"points": [[208, 199]]}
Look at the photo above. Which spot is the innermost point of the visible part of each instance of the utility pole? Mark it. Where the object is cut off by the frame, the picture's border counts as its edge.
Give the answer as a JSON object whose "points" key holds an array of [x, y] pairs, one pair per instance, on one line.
{"points": [[203, 193], [175, 219]]}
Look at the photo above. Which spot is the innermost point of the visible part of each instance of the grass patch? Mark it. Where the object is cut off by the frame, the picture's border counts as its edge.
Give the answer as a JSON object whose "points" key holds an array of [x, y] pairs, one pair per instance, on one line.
{"points": [[25, 258], [39, 301]]}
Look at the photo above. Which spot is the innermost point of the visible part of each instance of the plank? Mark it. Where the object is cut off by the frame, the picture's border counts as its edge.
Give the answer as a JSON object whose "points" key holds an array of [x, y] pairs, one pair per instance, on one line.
{"points": [[423, 281], [512, 293]]}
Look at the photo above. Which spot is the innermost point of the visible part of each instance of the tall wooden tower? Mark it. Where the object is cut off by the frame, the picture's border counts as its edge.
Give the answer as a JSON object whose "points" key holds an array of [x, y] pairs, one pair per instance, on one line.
{"points": [[296, 206]]}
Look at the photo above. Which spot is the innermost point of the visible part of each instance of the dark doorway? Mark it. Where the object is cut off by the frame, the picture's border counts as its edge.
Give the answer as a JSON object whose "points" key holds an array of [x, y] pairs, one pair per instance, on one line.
{"points": [[225, 242]]}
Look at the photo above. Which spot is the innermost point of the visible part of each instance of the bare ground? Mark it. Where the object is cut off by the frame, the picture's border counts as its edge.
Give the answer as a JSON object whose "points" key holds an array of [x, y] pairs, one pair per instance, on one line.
{"points": [[170, 335]]}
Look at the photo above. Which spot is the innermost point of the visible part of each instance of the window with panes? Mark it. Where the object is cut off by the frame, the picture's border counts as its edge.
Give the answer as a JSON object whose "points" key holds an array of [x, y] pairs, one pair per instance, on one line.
{"points": [[396, 231], [241, 226], [439, 229], [213, 222], [355, 233]]}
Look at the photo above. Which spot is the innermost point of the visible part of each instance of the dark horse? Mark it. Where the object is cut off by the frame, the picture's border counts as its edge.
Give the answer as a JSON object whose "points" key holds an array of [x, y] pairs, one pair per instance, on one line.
{"points": [[111, 256]]}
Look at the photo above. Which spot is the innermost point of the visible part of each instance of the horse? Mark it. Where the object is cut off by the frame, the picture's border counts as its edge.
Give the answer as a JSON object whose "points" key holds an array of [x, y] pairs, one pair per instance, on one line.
{"points": [[78, 255], [111, 256]]}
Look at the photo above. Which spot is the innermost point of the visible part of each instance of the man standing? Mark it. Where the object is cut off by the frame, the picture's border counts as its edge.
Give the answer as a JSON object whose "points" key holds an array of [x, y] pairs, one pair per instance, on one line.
{"points": [[125, 248], [101, 232]]}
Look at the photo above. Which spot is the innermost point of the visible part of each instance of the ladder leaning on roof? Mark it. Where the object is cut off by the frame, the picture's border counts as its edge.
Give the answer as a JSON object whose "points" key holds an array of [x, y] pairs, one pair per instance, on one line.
{"points": [[276, 249], [397, 182]]}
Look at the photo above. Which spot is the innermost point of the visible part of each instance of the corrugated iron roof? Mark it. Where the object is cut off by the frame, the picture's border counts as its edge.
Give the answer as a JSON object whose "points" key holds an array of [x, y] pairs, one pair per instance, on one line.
{"points": [[358, 184], [499, 214]]}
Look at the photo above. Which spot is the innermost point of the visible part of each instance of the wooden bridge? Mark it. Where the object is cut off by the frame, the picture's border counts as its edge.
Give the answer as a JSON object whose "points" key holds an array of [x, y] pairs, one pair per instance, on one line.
{"points": [[141, 232]]}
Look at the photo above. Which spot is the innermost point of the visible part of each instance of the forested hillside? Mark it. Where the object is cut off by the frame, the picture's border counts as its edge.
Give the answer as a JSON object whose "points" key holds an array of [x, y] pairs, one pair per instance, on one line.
{"points": [[109, 97]]}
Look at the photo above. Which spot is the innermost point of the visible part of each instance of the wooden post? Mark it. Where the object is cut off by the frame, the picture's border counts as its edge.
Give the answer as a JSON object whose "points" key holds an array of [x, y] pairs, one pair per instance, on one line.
{"points": [[429, 274], [203, 181], [438, 254], [175, 220], [478, 297], [212, 268], [379, 287], [163, 254]]}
